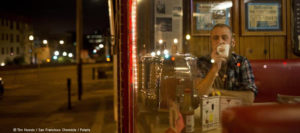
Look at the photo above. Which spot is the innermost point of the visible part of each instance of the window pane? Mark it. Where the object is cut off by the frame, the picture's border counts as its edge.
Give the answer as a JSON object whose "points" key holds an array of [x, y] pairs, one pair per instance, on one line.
{"points": [[162, 65], [11, 38], [2, 51]]}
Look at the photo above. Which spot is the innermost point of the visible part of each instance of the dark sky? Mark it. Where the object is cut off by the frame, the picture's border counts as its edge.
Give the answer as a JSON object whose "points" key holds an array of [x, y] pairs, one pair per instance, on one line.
{"points": [[58, 16]]}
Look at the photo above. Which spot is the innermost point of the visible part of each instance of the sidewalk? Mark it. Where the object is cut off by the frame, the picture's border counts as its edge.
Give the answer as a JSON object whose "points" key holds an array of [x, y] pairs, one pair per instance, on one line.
{"points": [[93, 114]]}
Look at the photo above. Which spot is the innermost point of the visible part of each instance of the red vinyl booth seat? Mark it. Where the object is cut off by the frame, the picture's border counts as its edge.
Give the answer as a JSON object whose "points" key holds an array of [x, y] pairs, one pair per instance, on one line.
{"points": [[276, 118], [274, 77]]}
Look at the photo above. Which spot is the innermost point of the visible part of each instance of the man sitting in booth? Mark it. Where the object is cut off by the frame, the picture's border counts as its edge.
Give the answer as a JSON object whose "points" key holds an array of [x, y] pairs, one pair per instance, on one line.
{"points": [[225, 71]]}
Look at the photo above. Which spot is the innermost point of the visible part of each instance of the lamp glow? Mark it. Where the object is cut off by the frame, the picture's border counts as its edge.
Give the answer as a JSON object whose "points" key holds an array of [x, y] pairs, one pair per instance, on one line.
{"points": [[188, 37], [153, 54], [56, 53], [101, 46], [70, 55], [158, 52], [64, 53], [167, 56], [61, 42], [54, 57], [166, 51], [175, 40], [160, 41], [45, 42], [31, 37]]}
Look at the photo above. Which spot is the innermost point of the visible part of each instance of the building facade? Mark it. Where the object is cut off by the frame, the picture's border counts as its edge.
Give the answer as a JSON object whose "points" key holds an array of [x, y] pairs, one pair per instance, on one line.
{"points": [[14, 42]]}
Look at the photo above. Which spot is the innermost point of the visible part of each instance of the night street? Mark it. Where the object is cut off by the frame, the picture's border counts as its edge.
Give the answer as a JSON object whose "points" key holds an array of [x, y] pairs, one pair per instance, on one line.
{"points": [[36, 101]]}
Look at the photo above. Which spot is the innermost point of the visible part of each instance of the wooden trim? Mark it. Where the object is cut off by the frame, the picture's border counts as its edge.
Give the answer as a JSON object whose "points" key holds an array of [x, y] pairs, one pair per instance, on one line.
{"points": [[235, 15], [263, 33], [289, 36], [235, 27]]}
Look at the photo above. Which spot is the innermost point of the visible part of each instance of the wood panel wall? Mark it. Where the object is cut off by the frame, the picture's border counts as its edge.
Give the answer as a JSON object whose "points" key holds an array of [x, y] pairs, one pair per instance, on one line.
{"points": [[253, 47]]}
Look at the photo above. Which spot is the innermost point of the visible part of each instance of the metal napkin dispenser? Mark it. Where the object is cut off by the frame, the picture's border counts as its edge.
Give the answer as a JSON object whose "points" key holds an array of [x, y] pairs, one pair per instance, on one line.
{"points": [[161, 78], [150, 81]]}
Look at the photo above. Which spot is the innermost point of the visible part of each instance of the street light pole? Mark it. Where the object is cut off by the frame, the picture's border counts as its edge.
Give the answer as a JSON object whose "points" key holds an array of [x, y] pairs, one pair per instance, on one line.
{"points": [[31, 38], [79, 46]]}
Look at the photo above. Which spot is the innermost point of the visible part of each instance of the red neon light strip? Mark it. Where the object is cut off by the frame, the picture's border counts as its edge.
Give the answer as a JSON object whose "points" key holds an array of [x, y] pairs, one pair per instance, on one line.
{"points": [[132, 61]]}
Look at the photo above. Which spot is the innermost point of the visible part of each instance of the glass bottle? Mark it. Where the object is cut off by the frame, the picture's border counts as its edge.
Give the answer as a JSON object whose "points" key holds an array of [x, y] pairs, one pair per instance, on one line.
{"points": [[187, 112]]}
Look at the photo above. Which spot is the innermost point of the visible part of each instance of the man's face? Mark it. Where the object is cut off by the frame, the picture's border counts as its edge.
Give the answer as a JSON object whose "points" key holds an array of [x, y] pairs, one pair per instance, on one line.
{"points": [[220, 35]]}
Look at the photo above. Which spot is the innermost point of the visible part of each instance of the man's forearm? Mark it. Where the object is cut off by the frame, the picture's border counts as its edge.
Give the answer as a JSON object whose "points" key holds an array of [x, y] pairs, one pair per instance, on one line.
{"points": [[205, 85]]}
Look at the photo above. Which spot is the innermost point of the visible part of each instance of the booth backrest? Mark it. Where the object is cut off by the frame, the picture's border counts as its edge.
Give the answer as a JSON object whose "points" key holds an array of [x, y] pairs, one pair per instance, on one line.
{"points": [[274, 77], [276, 118]]}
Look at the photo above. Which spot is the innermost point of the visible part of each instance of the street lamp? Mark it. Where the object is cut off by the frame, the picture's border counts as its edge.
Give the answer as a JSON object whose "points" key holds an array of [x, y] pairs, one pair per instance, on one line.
{"points": [[61, 42], [160, 41], [31, 38], [55, 57], [175, 40], [56, 53], [188, 37], [70, 55], [64, 53], [101, 45], [45, 42]]}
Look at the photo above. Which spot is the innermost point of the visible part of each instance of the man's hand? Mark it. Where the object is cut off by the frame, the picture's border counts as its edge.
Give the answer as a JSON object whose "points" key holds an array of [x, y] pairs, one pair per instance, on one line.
{"points": [[218, 59]]}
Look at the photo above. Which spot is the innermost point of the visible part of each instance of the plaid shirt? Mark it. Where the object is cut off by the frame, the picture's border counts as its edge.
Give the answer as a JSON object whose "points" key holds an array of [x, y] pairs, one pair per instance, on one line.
{"points": [[239, 73]]}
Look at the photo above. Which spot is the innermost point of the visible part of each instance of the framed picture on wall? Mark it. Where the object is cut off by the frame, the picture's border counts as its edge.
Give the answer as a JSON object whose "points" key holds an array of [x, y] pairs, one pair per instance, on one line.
{"points": [[263, 17], [296, 26], [207, 13]]}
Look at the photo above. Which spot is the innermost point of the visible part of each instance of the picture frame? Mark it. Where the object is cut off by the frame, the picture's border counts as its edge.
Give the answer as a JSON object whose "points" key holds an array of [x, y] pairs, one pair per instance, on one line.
{"points": [[206, 13], [295, 18], [263, 17]]}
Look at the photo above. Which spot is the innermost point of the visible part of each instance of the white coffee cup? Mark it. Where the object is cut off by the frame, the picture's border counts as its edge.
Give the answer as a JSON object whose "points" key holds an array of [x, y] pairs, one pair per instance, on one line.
{"points": [[223, 50]]}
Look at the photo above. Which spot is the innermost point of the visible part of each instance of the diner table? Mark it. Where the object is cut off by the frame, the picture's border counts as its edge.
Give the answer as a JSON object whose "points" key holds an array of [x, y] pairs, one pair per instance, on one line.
{"points": [[158, 121]]}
